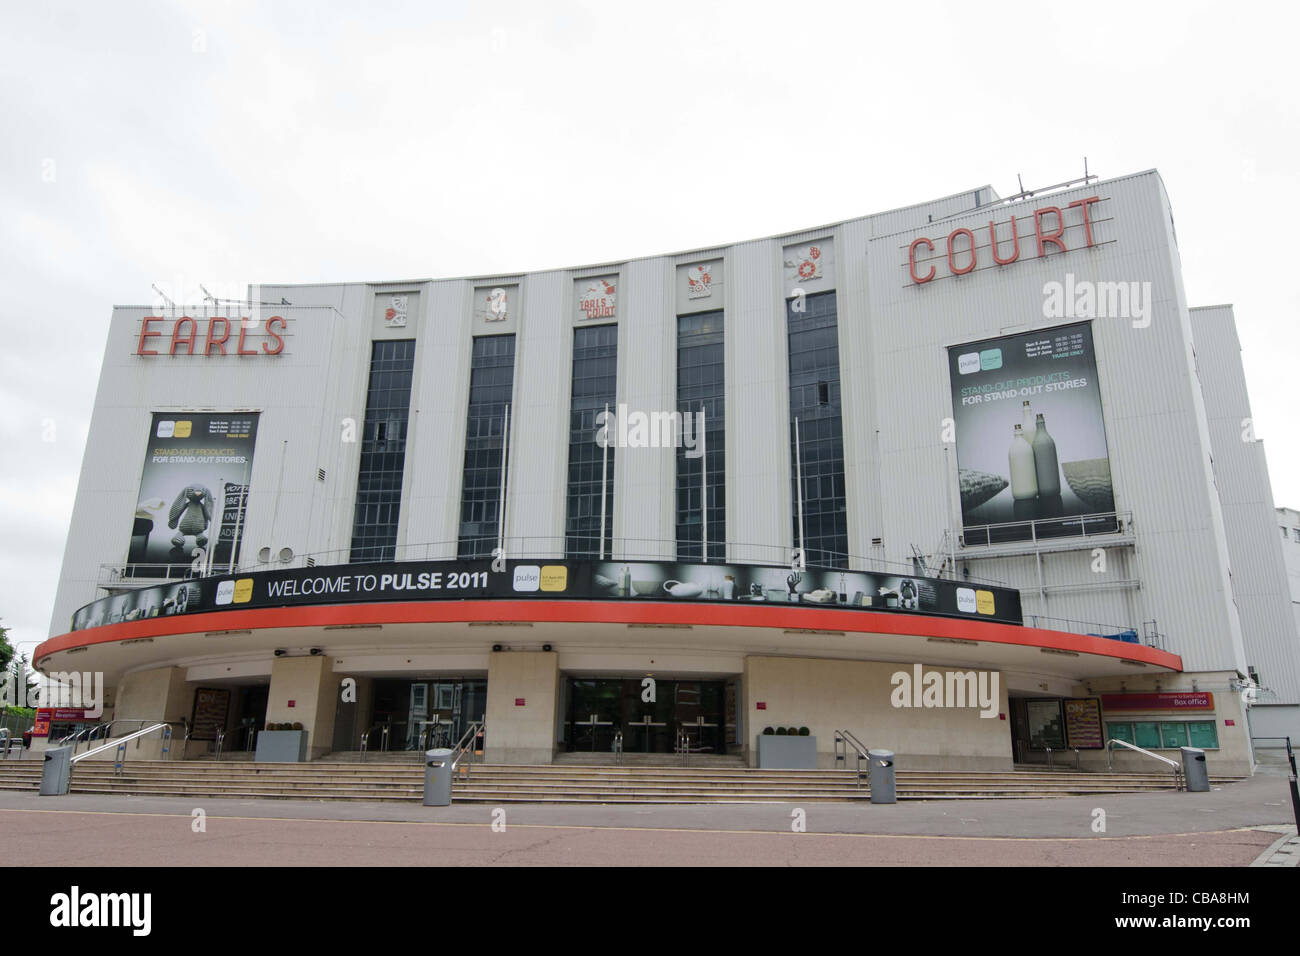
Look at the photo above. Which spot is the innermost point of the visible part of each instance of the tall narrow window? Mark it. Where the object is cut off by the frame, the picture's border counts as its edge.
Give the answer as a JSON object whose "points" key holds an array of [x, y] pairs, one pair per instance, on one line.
{"points": [[700, 363], [383, 451], [595, 373], [815, 402], [491, 385]]}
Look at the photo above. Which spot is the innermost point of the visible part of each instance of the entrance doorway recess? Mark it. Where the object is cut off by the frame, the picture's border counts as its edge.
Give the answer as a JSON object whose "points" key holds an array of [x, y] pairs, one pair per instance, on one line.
{"points": [[659, 718]]}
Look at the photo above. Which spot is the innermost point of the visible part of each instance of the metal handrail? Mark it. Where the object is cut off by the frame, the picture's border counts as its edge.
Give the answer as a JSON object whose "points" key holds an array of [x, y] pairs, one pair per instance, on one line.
{"points": [[222, 734], [617, 746], [7, 738], [465, 746], [842, 741], [1123, 519], [385, 729], [120, 744], [104, 731], [1110, 759]]}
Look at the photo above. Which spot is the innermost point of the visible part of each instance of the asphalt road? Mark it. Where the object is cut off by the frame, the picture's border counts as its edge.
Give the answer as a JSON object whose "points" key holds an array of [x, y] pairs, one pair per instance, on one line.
{"points": [[1157, 829], [74, 838]]}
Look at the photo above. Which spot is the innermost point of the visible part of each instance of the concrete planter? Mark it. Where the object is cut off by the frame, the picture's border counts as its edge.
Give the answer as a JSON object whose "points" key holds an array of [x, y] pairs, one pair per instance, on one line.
{"points": [[786, 753], [281, 746]]}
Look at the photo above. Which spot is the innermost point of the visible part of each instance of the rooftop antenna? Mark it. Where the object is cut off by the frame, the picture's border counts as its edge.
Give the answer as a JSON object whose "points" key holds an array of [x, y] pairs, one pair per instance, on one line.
{"points": [[163, 296], [209, 297]]}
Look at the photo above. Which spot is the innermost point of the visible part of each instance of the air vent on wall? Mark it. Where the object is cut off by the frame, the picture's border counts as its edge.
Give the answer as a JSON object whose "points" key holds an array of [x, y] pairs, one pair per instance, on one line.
{"points": [[320, 474], [311, 562]]}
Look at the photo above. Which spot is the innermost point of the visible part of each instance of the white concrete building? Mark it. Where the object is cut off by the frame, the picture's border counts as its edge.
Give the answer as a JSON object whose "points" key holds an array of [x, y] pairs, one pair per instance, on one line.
{"points": [[1013, 458]]}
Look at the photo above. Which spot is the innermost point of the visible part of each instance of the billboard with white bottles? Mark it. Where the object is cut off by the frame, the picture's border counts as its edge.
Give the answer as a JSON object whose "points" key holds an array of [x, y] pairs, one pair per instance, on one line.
{"points": [[1031, 442]]}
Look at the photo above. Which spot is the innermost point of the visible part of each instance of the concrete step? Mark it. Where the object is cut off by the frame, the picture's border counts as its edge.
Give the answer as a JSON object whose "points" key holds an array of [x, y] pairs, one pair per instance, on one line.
{"points": [[566, 783]]}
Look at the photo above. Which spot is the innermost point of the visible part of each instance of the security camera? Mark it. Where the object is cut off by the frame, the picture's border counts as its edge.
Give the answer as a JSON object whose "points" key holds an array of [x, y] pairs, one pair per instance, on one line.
{"points": [[496, 647], [315, 651], [280, 652], [546, 647]]}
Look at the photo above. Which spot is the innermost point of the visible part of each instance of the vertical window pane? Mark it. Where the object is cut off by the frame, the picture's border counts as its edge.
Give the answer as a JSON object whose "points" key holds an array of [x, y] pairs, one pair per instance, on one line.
{"points": [[383, 451], [700, 388], [594, 385], [815, 402], [491, 390]]}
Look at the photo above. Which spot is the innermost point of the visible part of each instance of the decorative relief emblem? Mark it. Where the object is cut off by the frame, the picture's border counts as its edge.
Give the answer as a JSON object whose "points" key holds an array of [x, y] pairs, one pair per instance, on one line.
{"points": [[395, 314], [806, 261], [699, 283], [497, 303], [597, 300]]}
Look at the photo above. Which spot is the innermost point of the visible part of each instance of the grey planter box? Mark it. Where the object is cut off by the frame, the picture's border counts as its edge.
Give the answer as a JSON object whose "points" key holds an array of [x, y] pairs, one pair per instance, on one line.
{"points": [[281, 746], [787, 753]]}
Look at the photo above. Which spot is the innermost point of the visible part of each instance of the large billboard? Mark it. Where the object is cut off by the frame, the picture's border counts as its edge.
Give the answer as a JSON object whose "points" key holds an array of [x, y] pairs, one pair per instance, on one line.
{"points": [[1031, 443], [193, 493], [638, 581]]}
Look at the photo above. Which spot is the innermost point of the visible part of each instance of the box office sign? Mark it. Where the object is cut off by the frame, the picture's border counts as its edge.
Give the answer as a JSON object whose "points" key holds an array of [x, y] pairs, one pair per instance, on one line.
{"points": [[1172, 700], [193, 491], [754, 585]]}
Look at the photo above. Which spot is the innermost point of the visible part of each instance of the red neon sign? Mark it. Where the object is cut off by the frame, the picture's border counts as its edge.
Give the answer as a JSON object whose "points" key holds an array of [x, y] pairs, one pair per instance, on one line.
{"points": [[963, 250], [185, 337]]}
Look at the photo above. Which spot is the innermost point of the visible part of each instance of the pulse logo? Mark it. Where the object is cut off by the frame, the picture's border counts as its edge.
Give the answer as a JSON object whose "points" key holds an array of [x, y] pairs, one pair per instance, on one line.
{"points": [[76, 909]]}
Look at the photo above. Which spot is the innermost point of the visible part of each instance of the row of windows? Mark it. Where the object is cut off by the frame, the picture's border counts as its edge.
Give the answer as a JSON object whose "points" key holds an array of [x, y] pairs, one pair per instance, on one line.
{"points": [[1166, 734], [814, 403], [1295, 533]]}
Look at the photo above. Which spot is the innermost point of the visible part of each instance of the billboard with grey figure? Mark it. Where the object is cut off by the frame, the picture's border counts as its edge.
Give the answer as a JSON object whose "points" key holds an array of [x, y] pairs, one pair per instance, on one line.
{"points": [[1031, 441], [193, 492]]}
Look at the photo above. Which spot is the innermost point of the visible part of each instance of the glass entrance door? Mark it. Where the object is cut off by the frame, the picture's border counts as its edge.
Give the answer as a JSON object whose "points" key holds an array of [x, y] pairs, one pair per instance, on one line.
{"points": [[690, 710], [428, 712], [595, 713]]}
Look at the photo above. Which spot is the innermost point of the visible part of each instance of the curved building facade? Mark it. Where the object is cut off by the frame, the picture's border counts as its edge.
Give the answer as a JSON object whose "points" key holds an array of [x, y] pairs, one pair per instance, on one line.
{"points": [[947, 477]]}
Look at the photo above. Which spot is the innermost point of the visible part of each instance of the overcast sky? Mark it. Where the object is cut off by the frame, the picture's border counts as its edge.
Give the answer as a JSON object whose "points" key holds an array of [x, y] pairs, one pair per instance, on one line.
{"points": [[324, 142]]}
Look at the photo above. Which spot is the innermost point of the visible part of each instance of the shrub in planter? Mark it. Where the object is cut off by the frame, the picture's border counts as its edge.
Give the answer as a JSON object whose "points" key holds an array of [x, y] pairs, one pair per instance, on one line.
{"points": [[780, 731], [803, 731], [768, 731], [298, 726]]}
